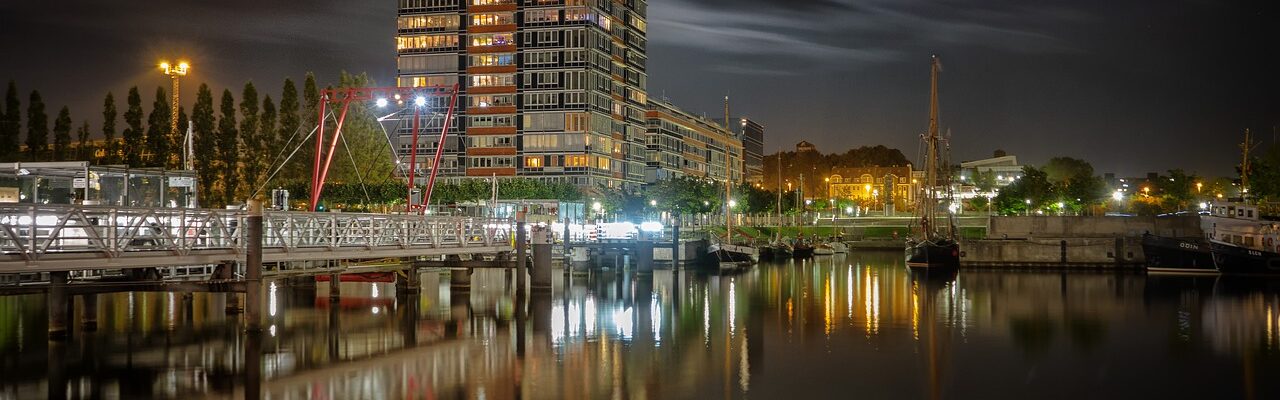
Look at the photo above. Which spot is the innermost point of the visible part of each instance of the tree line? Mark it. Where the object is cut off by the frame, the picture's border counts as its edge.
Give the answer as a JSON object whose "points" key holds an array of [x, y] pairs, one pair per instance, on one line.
{"points": [[237, 144]]}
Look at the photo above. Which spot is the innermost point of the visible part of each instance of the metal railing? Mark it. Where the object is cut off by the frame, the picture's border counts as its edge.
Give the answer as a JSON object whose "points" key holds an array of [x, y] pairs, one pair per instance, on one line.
{"points": [[63, 237]]}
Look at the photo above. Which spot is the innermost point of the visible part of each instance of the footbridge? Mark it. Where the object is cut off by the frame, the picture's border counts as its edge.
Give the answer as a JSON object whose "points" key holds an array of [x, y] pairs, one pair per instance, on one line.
{"points": [[49, 238]]}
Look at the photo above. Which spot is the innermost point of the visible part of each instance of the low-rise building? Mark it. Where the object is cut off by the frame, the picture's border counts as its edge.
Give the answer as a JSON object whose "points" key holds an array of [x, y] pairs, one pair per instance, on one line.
{"points": [[680, 143], [879, 185], [1005, 168]]}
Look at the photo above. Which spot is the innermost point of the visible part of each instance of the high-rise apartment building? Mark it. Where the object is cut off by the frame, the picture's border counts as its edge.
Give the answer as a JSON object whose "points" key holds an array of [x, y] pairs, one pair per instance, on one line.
{"points": [[752, 134], [683, 144], [550, 89]]}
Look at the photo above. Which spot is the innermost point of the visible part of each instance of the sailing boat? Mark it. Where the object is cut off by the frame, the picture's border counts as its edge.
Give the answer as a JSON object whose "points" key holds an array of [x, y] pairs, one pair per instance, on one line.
{"points": [[934, 246]]}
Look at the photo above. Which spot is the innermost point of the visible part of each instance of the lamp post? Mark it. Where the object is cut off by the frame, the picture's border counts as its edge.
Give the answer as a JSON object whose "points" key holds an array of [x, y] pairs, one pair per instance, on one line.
{"points": [[175, 72]]}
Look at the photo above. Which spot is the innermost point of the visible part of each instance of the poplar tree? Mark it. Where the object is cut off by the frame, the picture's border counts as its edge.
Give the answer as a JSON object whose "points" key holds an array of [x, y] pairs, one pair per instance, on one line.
{"points": [[300, 165], [205, 144], [177, 143], [62, 135], [83, 152], [133, 134], [267, 131], [250, 141], [228, 144], [10, 124], [158, 130], [109, 147], [289, 121], [37, 127]]}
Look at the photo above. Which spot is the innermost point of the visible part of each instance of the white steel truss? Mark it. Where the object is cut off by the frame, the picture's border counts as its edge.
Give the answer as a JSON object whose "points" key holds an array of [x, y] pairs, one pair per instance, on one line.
{"points": [[39, 238]]}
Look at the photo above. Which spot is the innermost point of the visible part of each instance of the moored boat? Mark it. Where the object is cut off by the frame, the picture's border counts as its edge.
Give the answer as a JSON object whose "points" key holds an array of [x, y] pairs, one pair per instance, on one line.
{"points": [[801, 250], [1179, 256], [934, 245], [824, 249]]}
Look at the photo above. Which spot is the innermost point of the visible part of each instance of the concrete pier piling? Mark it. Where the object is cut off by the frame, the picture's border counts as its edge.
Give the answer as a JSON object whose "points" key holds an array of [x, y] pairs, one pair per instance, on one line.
{"points": [[459, 278], [89, 316], [542, 247], [253, 268], [522, 258], [58, 305]]}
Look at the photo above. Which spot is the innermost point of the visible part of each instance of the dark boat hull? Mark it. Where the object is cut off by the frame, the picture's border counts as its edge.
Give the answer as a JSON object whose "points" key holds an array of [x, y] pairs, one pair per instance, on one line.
{"points": [[802, 251], [944, 254], [766, 252], [1181, 256], [1242, 260]]}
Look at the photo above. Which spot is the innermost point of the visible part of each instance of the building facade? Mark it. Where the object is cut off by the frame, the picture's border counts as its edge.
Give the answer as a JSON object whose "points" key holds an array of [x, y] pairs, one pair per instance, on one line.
{"points": [[683, 144], [1004, 167], [878, 185], [752, 134], [550, 89]]}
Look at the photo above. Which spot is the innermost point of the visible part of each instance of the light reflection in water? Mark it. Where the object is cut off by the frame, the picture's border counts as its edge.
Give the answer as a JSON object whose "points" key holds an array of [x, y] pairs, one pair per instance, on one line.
{"points": [[622, 336]]}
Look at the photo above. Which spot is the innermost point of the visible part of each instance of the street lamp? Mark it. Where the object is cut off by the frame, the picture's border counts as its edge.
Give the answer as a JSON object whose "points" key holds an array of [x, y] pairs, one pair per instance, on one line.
{"points": [[733, 203], [175, 72]]}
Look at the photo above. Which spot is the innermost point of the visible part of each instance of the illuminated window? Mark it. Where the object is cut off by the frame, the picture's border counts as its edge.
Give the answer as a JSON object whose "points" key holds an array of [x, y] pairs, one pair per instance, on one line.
{"points": [[492, 39], [575, 161], [491, 2], [426, 42], [428, 22], [492, 60], [491, 100], [488, 80], [490, 19], [533, 162]]}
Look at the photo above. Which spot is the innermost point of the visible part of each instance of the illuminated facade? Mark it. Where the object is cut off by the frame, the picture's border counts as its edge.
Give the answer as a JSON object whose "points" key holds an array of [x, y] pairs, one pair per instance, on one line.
{"points": [[550, 89], [683, 144], [883, 185]]}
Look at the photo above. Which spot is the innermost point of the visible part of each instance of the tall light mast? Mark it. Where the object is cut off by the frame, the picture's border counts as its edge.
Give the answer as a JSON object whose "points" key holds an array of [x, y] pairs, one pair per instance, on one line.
{"points": [[175, 72]]}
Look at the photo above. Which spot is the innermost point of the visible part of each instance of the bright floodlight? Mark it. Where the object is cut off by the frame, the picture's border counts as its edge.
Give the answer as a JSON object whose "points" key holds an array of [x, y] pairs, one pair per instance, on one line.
{"points": [[1118, 195], [651, 226], [381, 102], [733, 203], [848, 210], [420, 101], [596, 206], [653, 203]]}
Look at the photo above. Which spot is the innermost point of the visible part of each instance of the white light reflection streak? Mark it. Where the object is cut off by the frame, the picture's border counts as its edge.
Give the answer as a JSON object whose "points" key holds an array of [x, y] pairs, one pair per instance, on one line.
{"points": [[848, 292], [271, 299], [706, 319], [557, 323], [589, 312], [622, 322], [733, 310], [655, 315]]}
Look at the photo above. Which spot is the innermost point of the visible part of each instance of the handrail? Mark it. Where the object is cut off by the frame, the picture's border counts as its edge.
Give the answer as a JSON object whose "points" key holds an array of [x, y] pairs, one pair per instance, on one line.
{"points": [[33, 231]]}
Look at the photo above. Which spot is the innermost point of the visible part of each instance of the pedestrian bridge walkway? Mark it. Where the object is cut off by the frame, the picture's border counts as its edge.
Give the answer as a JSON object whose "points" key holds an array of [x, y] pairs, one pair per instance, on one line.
{"points": [[44, 238]]}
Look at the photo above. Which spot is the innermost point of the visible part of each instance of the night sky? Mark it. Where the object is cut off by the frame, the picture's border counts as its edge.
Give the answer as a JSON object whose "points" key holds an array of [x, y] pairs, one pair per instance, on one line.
{"points": [[1132, 86]]}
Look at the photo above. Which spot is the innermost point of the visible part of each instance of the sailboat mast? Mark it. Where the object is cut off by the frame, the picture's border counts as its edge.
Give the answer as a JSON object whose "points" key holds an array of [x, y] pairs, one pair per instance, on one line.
{"points": [[728, 177], [931, 164], [1244, 165]]}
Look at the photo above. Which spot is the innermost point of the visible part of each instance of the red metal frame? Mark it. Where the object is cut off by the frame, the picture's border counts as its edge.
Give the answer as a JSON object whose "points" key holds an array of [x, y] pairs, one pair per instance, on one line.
{"points": [[320, 170]]}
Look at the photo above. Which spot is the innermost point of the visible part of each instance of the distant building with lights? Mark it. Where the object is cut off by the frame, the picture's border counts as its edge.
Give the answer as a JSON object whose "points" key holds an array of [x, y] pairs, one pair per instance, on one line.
{"points": [[550, 90], [683, 144], [1005, 168], [805, 146], [879, 185], [752, 134]]}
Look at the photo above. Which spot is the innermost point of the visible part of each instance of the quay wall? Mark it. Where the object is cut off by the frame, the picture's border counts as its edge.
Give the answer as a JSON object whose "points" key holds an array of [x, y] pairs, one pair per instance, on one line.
{"points": [[1092, 227], [1054, 241]]}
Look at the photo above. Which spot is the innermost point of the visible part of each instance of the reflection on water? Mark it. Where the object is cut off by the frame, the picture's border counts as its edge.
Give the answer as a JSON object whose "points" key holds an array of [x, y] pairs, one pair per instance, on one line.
{"points": [[855, 326]]}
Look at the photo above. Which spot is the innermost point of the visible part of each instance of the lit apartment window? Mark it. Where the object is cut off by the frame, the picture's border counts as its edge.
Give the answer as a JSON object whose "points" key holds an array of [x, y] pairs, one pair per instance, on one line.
{"points": [[578, 160], [491, 2], [492, 39], [426, 42], [533, 162], [487, 80], [489, 19], [423, 22], [492, 60], [491, 100]]}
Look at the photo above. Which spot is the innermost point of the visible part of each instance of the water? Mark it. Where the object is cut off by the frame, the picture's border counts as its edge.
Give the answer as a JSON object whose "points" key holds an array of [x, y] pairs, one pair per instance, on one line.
{"points": [[839, 327]]}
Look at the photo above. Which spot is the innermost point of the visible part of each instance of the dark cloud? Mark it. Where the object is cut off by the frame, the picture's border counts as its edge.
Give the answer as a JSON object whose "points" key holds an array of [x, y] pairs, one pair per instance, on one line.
{"points": [[1130, 85]]}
